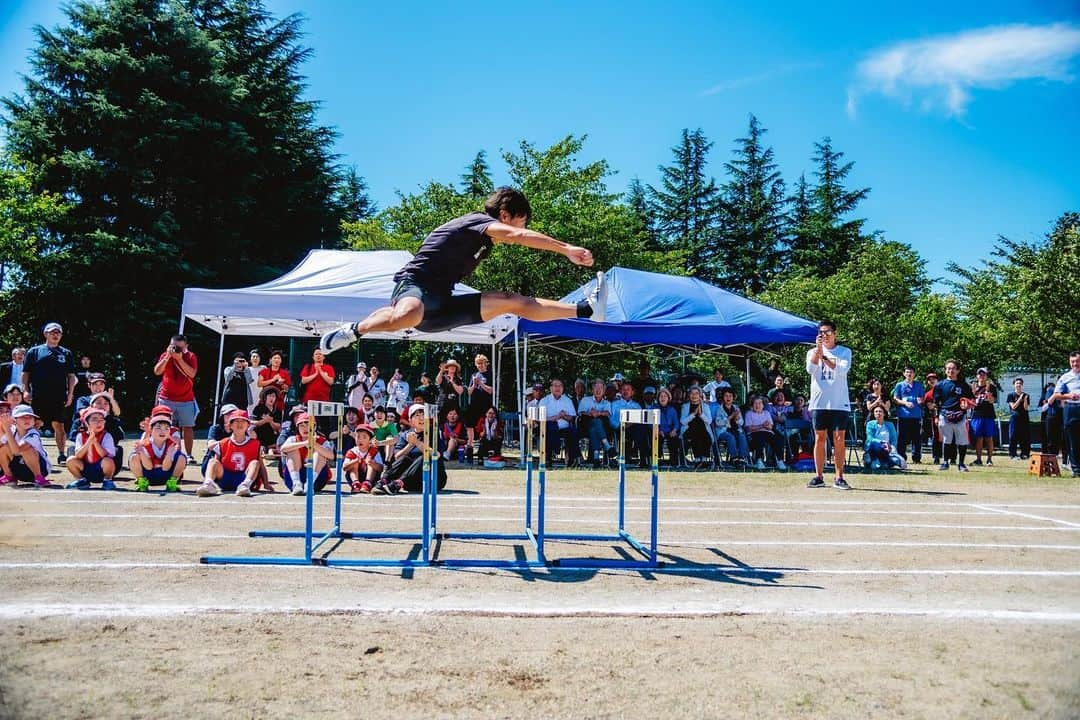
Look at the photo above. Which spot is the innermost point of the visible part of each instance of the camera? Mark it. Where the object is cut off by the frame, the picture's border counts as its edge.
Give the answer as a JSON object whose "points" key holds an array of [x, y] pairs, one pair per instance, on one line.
{"points": [[174, 349]]}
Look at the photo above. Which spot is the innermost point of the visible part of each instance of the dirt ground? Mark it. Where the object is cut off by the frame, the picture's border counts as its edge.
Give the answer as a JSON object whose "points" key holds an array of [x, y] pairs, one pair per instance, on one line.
{"points": [[917, 595]]}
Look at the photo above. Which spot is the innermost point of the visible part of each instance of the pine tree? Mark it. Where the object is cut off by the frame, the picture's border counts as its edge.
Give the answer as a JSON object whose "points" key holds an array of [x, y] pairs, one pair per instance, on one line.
{"points": [[178, 131], [754, 215], [688, 205], [353, 197], [476, 182], [825, 240], [637, 199]]}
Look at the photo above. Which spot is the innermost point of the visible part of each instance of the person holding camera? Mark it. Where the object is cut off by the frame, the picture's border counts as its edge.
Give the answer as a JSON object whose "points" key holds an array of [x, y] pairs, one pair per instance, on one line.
{"points": [[177, 368], [828, 364]]}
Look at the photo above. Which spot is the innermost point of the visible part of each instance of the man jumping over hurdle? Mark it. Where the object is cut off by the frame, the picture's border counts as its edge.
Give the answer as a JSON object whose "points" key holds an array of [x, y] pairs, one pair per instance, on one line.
{"points": [[423, 297]]}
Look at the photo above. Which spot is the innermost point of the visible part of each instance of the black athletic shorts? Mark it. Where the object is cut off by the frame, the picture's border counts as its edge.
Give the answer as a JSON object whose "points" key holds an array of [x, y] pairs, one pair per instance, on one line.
{"points": [[441, 311], [830, 420], [51, 410]]}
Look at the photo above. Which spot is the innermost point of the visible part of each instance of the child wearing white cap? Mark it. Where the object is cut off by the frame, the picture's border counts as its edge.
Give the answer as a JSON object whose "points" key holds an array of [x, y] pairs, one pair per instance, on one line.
{"points": [[22, 456]]}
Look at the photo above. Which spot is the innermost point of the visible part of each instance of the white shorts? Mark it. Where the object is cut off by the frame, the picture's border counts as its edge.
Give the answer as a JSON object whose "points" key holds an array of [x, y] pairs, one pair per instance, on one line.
{"points": [[953, 432]]}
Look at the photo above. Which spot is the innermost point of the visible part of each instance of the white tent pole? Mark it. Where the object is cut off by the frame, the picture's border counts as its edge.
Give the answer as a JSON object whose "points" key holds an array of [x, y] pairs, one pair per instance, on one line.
{"points": [[495, 376], [220, 369], [746, 387]]}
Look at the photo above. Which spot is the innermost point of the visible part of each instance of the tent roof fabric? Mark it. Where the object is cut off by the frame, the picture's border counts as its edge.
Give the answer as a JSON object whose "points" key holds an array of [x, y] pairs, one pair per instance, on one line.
{"points": [[653, 308], [327, 288]]}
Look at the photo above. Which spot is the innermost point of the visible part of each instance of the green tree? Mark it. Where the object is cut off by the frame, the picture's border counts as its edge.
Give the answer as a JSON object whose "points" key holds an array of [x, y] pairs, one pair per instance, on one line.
{"points": [[1021, 305], [25, 218], [637, 199], [827, 238], [352, 197], [688, 207], [178, 132], [755, 221], [476, 182]]}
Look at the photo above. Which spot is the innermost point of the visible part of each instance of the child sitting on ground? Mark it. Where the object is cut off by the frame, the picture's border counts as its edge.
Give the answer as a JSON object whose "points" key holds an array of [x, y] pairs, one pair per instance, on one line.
{"points": [[454, 435], [236, 463], [386, 431], [22, 456], [295, 451], [158, 458], [363, 462], [94, 459]]}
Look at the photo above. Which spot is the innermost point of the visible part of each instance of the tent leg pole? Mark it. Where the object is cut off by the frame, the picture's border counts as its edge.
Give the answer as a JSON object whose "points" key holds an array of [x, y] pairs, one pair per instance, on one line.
{"points": [[217, 389], [746, 386]]}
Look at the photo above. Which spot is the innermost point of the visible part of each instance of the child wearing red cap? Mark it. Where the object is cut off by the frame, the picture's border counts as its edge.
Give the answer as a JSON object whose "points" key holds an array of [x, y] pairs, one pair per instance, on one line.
{"points": [[236, 463], [363, 463], [295, 450], [94, 459], [158, 458]]}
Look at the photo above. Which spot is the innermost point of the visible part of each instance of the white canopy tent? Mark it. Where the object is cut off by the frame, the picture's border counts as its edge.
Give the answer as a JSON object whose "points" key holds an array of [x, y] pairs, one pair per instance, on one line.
{"points": [[327, 288]]}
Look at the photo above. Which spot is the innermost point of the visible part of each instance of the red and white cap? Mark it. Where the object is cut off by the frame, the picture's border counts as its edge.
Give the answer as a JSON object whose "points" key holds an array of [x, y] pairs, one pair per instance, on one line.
{"points": [[237, 415], [86, 412]]}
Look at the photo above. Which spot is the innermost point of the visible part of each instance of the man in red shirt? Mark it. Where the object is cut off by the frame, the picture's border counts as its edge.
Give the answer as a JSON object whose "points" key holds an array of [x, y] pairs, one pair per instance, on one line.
{"points": [[177, 367]]}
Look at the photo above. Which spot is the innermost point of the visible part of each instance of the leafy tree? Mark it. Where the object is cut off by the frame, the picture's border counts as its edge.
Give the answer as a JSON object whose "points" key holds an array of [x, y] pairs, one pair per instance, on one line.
{"points": [[177, 132], [688, 206], [826, 239], [476, 182], [1022, 305], [755, 220], [25, 216]]}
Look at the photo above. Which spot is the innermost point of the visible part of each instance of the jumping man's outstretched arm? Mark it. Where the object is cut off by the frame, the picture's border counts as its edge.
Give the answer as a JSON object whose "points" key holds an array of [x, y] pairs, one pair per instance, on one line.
{"points": [[503, 233]]}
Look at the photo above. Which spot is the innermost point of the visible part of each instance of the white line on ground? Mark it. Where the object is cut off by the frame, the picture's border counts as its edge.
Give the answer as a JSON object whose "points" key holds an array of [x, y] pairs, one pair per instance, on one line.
{"points": [[674, 569], [1027, 515], [551, 520], [16, 611], [669, 542]]}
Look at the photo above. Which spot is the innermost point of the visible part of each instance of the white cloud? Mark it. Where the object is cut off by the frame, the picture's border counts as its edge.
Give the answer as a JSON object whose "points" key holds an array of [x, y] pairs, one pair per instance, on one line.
{"points": [[775, 72], [942, 72]]}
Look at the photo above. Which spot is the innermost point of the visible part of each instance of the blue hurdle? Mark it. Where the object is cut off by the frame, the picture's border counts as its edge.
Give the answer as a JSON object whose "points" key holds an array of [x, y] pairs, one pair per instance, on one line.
{"points": [[314, 540]]}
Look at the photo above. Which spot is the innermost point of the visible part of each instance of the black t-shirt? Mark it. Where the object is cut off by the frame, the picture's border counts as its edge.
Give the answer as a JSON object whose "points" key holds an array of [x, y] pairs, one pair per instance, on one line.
{"points": [[449, 253], [448, 398], [266, 433], [429, 392], [49, 369], [1013, 397], [984, 406], [947, 394]]}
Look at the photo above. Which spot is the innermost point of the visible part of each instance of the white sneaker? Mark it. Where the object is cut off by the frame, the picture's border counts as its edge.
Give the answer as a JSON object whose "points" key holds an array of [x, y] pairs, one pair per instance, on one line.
{"points": [[341, 337], [297, 488], [759, 465], [597, 299], [780, 465], [208, 489], [244, 489]]}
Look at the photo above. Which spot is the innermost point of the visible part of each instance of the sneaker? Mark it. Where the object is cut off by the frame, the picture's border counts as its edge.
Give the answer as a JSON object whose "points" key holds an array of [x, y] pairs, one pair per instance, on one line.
{"points": [[243, 489], [759, 465], [61, 459], [841, 484], [597, 299], [108, 485], [191, 460], [398, 488], [208, 489], [943, 466], [172, 485], [379, 489], [816, 482], [989, 462], [298, 488], [80, 484], [392, 487], [962, 467], [341, 337], [781, 466], [6, 480], [142, 484], [42, 481], [977, 462]]}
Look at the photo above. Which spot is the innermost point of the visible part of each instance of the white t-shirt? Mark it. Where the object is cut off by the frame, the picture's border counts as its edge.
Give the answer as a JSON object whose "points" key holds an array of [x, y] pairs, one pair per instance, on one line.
{"points": [[254, 385], [828, 386], [553, 406]]}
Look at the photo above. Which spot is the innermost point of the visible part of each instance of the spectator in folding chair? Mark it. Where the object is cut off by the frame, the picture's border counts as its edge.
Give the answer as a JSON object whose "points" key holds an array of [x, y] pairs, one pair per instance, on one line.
{"points": [[696, 422], [780, 409], [729, 427], [759, 425], [561, 428], [489, 433], [594, 422], [802, 423], [880, 447], [670, 428], [639, 436]]}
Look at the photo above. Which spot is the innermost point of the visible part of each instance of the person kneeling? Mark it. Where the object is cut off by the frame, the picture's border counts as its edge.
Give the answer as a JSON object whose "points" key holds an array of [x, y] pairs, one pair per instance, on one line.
{"points": [[295, 450], [158, 458], [363, 462], [881, 441], [22, 456], [405, 470], [94, 459], [235, 464]]}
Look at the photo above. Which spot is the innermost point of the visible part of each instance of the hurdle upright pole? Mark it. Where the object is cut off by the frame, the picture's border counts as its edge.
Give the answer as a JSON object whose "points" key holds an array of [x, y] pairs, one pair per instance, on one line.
{"points": [[340, 461], [431, 431], [622, 474], [542, 497], [309, 472], [655, 488]]}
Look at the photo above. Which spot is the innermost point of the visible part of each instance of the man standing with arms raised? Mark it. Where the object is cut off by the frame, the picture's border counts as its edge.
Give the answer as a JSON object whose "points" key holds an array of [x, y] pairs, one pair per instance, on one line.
{"points": [[828, 365]]}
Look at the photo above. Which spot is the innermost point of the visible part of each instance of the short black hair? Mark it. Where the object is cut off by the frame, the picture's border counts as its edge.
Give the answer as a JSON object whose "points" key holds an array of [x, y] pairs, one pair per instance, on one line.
{"points": [[179, 337], [1074, 353], [827, 323], [909, 367], [239, 356], [509, 199]]}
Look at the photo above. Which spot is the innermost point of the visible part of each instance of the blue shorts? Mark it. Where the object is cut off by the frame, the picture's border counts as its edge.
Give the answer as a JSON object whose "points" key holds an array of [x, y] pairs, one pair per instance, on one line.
{"points": [[830, 420], [157, 476], [230, 479], [183, 412], [320, 482], [441, 311], [984, 428], [93, 472]]}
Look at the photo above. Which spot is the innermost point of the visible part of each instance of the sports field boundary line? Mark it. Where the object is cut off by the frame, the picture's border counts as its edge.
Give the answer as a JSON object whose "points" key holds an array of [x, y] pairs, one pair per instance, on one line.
{"points": [[11, 611], [1029, 516]]}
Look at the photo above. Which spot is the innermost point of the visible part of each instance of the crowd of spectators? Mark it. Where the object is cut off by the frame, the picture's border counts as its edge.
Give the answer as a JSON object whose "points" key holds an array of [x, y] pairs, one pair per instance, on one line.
{"points": [[702, 424]]}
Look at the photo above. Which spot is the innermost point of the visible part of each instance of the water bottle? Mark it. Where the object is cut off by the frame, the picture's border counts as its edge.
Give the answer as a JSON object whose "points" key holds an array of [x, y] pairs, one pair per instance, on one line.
{"points": [[461, 454]]}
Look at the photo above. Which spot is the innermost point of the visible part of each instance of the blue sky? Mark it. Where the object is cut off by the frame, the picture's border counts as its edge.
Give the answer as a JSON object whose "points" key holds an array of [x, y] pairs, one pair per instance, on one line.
{"points": [[961, 117]]}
